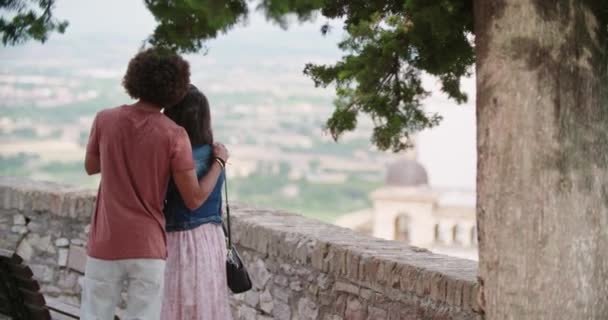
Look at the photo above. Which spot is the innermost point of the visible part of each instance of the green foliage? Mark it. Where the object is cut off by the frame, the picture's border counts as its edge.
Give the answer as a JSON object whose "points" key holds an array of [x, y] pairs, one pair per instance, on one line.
{"points": [[27, 21], [184, 25], [389, 45], [278, 11]]}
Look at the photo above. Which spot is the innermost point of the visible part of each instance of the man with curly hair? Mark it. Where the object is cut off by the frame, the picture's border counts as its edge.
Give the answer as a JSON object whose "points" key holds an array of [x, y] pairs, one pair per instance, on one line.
{"points": [[137, 150]]}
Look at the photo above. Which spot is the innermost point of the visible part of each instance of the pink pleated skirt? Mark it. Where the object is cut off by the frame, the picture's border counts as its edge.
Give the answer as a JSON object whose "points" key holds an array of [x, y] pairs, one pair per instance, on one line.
{"points": [[195, 275]]}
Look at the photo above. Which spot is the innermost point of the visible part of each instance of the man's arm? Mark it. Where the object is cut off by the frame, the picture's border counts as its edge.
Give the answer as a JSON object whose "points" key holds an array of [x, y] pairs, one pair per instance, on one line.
{"points": [[91, 164], [194, 191]]}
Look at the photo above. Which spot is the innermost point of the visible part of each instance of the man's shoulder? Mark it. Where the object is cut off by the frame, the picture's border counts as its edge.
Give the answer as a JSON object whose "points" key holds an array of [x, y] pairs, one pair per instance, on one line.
{"points": [[108, 112], [169, 126]]}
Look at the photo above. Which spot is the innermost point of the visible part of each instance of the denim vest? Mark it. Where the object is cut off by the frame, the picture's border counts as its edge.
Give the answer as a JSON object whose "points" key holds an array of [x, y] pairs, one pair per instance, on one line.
{"points": [[177, 215]]}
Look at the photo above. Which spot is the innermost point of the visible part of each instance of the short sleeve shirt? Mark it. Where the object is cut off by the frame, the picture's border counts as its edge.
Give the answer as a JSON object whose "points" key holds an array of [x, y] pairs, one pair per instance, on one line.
{"points": [[138, 150]]}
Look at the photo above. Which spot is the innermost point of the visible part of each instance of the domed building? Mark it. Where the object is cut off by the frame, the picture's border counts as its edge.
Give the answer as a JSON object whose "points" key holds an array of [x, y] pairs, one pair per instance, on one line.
{"points": [[407, 209], [406, 172]]}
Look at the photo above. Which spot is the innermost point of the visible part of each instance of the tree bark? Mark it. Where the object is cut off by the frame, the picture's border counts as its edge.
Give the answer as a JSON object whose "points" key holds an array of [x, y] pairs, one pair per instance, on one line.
{"points": [[542, 142]]}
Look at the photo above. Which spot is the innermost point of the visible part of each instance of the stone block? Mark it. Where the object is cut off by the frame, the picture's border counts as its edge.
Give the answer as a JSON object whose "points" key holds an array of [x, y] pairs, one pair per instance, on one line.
{"points": [[238, 297], [259, 274], [302, 272], [454, 292], [51, 290], [280, 294], [438, 288], [37, 227], [319, 255], [326, 298], [252, 298], [370, 269], [286, 269], [281, 280], [338, 260], [246, 313], [19, 220], [25, 250], [324, 281], [355, 309], [295, 286], [42, 272], [78, 242], [68, 281], [352, 264], [62, 242], [41, 243], [266, 303], [423, 283], [366, 294], [19, 229], [281, 310], [386, 273], [62, 257], [307, 309], [342, 286], [262, 241], [313, 289], [474, 302], [376, 314], [459, 294], [340, 304], [301, 251], [467, 290]]}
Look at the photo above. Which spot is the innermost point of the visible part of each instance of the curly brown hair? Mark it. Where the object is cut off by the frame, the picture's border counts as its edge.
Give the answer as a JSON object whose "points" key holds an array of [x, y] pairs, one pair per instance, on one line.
{"points": [[157, 77]]}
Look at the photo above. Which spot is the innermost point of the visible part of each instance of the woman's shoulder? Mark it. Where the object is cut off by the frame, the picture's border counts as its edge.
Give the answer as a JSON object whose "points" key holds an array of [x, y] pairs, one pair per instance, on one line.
{"points": [[202, 151]]}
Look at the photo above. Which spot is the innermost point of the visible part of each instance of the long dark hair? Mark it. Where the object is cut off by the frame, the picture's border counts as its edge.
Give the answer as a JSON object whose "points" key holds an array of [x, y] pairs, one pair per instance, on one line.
{"points": [[193, 113]]}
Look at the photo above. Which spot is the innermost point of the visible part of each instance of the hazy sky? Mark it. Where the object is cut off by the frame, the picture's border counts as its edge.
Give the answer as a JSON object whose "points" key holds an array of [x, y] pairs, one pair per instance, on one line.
{"points": [[448, 151], [130, 19]]}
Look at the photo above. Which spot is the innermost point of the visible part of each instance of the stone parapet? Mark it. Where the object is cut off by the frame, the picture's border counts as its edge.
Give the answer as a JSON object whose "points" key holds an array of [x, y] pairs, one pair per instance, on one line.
{"points": [[40, 220], [301, 268], [306, 269]]}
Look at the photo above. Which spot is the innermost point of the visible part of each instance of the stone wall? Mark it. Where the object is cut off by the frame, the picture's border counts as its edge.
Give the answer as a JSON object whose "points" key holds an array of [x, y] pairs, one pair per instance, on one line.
{"points": [[40, 220], [301, 268]]}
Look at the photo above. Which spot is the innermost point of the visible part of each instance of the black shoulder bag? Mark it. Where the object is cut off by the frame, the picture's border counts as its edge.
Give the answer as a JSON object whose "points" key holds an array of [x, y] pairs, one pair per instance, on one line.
{"points": [[236, 273]]}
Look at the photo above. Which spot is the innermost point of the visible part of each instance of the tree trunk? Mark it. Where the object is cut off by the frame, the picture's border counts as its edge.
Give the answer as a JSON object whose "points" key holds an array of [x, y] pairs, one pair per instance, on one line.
{"points": [[542, 137]]}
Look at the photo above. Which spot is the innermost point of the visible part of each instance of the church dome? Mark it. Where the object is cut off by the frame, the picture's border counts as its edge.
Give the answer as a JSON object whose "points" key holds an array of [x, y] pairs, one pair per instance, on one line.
{"points": [[406, 173]]}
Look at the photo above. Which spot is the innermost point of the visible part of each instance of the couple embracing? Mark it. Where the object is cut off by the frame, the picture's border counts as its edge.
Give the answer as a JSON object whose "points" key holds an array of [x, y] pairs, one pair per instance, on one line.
{"points": [[157, 220]]}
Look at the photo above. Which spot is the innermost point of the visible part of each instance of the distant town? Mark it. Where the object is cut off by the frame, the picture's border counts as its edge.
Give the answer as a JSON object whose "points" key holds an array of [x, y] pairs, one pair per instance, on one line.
{"points": [[270, 116]]}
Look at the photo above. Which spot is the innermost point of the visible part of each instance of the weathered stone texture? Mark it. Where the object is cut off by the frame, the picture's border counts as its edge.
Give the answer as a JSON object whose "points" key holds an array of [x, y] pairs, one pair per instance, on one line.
{"points": [[36, 220], [311, 270], [301, 268]]}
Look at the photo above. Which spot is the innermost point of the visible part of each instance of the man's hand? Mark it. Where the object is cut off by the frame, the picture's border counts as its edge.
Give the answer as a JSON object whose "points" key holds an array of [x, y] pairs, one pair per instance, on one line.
{"points": [[220, 151]]}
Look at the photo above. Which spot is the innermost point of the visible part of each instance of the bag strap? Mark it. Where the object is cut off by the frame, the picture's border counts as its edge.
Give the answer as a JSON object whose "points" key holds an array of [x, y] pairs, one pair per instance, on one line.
{"points": [[226, 227]]}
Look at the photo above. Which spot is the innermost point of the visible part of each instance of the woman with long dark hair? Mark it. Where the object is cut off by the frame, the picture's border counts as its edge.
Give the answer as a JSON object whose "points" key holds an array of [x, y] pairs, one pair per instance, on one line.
{"points": [[195, 273]]}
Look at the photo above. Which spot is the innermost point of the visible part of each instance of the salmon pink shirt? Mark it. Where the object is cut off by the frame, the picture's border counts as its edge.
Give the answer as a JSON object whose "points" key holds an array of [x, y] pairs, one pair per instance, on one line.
{"points": [[139, 149]]}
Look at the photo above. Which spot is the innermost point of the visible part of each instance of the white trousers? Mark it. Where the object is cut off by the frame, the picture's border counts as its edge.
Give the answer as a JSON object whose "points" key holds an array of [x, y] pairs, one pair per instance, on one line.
{"points": [[103, 284]]}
